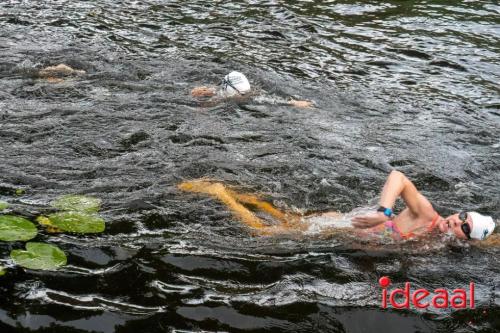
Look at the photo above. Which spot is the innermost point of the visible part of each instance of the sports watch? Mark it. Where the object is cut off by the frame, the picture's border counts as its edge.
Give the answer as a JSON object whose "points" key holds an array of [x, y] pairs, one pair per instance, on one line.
{"points": [[387, 211]]}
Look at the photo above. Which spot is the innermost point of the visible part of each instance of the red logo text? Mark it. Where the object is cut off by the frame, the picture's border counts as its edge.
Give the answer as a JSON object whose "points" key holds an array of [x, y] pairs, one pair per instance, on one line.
{"points": [[440, 298]]}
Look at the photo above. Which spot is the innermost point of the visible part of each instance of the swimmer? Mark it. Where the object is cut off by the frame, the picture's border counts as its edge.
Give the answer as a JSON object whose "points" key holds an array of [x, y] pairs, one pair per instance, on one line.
{"points": [[55, 74], [417, 219], [235, 86]]}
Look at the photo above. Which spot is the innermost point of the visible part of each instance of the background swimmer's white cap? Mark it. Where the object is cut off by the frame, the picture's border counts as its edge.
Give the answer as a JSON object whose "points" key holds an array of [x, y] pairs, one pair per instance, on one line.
{"points": [[482, 226], [235, 83]]}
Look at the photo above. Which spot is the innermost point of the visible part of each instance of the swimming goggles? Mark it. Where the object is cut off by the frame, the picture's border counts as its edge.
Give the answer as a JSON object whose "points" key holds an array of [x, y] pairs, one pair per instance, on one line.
{"points": [[465, 226], [226, 83]]}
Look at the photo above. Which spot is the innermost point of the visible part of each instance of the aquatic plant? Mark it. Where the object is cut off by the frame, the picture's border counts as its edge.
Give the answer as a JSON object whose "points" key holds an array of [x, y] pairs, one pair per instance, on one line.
{"points": [[79, 214], [74, 221], [79, 203], [14, 228], [39, 256]]}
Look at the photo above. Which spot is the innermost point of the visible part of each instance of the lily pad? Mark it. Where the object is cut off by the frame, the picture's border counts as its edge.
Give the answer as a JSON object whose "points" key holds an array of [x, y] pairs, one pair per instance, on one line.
{"points": [[48, 225], [78, 222], [14, 228], [3, 205], [79, 203], [43, 220], [39, 256]]}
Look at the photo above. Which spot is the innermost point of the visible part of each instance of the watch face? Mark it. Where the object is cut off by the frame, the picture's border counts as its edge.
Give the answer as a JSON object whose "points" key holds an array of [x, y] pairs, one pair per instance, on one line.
{"points": [[388, 212]]}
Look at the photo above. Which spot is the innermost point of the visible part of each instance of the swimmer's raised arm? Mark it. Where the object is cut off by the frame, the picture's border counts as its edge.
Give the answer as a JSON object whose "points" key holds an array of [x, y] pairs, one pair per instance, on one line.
{"points": [[397, 184]]}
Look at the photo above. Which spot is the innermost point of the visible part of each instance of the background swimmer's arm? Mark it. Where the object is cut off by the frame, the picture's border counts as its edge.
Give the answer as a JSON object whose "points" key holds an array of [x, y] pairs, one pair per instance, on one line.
{"points": [[203, 94], [301, 103], [58, 71], [397, 184], [203, 91]]}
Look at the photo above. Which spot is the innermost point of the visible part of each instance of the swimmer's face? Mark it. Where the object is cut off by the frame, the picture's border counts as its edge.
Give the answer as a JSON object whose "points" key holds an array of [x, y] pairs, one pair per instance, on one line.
{"points": [[452, 224]]}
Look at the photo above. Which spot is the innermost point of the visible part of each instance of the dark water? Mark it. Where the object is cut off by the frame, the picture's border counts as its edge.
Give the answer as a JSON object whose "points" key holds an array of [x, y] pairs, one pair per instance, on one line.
{"points": [[405, 84]]}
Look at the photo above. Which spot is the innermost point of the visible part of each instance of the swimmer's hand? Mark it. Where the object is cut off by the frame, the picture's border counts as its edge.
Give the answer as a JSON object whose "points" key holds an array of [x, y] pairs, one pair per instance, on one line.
{"points": [[203, 92], [368, 220], [301, 104]]}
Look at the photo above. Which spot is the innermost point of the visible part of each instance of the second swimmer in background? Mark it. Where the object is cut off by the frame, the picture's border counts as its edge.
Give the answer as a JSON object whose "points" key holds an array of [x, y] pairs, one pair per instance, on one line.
{"points": [[235, 86]]}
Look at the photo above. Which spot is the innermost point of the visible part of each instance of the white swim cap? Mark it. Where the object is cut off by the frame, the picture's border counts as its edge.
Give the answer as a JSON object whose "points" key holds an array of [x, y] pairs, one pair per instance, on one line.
{"points": [[235, 83], [482, 226]]}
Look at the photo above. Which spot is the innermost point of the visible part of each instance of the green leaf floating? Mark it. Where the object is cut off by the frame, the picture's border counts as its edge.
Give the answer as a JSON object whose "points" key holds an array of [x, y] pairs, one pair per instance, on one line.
{"points": [[39, 256], [14, 228], [3, 205], [79, 203], [78, 222]]}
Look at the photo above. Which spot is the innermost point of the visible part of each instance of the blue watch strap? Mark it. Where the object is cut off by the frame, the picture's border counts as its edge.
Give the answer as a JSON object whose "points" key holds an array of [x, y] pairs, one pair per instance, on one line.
{"points": [[387, 211]]}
